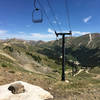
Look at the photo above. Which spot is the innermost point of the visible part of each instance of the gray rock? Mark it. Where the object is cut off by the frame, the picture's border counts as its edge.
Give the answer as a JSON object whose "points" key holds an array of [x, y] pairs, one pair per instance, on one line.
{"points": [[16, 88]]}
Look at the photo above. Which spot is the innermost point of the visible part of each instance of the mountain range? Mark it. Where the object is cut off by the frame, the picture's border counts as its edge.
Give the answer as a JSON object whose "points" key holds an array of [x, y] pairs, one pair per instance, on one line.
{"points": [[39, 63], [84, 49]]}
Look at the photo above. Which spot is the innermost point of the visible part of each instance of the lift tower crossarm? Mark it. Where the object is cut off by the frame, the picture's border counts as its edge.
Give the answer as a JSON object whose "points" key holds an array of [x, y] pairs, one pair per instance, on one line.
{"points": [[63, 52], [63, 33]]}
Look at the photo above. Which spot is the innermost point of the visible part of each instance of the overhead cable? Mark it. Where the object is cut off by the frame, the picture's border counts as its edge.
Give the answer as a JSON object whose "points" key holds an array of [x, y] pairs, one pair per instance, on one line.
{"points": [[47, 16], [68, 14], [53, 14]]}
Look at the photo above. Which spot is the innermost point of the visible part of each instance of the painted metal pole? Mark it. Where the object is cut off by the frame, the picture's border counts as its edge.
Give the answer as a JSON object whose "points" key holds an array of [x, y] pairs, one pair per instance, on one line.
{"points": [[63, 57], [63, 52]]}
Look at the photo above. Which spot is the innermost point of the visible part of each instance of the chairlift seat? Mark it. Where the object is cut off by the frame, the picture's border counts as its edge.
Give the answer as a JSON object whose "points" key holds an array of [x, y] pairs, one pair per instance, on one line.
{"points": [[38, 20]]}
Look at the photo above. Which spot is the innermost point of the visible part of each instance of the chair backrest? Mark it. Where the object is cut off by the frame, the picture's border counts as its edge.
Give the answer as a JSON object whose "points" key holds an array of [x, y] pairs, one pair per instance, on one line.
{"points": [[37, 16]]}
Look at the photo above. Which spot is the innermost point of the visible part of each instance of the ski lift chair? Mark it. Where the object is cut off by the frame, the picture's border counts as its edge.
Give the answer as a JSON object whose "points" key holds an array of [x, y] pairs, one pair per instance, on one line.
{"points": [[38, 20]]}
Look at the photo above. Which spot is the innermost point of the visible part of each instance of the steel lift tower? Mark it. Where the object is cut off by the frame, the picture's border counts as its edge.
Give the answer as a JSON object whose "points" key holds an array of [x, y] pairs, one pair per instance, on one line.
{"points": [[63, 52]]}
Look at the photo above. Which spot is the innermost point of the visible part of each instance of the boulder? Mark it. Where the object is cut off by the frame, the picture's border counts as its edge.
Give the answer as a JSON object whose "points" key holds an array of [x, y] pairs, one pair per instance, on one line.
{"points": [[16, 88], [32, 92]]}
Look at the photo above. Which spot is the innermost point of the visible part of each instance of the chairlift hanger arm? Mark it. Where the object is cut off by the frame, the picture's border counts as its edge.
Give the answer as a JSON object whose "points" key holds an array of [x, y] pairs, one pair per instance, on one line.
{"points": [[35, 1]]}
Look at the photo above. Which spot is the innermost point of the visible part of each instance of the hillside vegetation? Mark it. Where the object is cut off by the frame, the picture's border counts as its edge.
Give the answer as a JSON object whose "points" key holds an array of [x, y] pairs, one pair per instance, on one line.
{"points": [[39, 63], [84, 49]]}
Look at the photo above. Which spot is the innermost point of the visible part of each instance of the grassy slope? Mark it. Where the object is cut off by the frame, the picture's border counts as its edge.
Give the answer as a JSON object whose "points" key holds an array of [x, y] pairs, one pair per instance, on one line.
{"points": [[80, 87], [25, 54]]}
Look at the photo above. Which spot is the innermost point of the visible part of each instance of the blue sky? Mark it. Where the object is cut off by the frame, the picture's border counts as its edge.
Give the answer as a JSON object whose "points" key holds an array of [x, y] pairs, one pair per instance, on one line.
{"points": [[16, 18]]}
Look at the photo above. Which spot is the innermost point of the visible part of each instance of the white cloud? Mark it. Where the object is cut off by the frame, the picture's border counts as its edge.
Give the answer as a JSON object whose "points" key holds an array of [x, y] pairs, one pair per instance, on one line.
{"points": [[79, 33], [3, 32], [36, 36], [87, 19], [45, 37], [50, 30], [28, 36]]}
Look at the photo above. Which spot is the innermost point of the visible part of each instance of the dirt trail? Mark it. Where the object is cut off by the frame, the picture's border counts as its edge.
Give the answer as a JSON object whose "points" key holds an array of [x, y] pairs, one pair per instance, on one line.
{"points": [[6, 55], [28, 67], [97, 77], [90, 39], [79, 72]]}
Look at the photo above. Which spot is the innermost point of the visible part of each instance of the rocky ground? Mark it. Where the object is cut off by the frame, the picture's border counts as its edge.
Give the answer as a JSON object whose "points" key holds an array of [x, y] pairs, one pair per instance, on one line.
{"points": [[79, 90]]}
